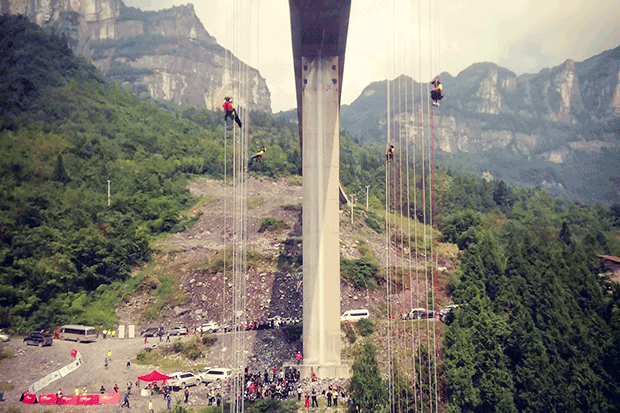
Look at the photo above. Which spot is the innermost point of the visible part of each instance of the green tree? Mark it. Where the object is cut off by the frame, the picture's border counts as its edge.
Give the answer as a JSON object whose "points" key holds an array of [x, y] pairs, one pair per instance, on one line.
{"points": [[60, 174], [367, 389]]}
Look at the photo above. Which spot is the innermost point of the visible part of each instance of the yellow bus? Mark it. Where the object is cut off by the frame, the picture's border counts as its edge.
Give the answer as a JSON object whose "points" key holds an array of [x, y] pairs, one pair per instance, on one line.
{"points": [[78, 333]]}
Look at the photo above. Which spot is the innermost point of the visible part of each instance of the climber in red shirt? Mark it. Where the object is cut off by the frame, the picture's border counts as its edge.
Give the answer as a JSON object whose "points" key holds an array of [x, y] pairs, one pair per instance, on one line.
{"points": [[229, 110]]}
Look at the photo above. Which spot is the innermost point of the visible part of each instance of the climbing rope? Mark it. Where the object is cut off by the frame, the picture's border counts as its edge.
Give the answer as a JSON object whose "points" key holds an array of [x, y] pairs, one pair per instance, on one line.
{"points": [[415, 131]]}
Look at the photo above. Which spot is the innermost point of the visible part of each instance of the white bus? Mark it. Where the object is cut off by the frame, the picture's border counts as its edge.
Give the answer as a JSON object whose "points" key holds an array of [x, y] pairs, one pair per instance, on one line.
{"points": [[78, 333]]}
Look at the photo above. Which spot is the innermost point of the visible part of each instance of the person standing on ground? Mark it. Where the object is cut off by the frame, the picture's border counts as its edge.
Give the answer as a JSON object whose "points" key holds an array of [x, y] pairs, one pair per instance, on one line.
{"points": [[126, 400], [329, 397], [299, 392], [298, 357], [168, 401], [110, 354], [151, 406], [314, 401], [105, 363], [186, 394], [307, 401], [77, 391], [128, 363], [84, 391]]}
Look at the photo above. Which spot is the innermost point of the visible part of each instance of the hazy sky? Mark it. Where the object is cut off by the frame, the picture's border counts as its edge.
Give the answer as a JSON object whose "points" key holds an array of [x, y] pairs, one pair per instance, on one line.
{"points": [[521, 35]]}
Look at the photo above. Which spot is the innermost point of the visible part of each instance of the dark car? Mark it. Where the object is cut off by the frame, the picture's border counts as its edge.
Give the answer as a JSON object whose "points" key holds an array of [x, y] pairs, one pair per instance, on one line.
{"points": [[38, 339], [153, 332]]}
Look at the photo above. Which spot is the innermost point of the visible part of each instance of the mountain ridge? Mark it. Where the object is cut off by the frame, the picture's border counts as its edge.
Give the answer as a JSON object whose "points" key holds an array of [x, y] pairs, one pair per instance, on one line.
{"points": [[537, 122]]}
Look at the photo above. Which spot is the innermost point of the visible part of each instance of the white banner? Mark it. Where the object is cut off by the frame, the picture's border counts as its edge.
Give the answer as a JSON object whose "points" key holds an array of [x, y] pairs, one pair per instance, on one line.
{"points": [[52, 377]]}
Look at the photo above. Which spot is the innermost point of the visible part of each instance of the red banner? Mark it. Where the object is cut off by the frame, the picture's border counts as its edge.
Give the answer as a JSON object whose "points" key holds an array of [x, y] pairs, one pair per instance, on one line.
{"points": [[30, 398], [69, 399], [88, 399], [47, 399], [109, 398]]}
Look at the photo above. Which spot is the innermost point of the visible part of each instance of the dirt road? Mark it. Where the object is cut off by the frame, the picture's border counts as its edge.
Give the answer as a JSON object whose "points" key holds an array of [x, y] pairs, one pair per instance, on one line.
{"points": [[32, 363]]}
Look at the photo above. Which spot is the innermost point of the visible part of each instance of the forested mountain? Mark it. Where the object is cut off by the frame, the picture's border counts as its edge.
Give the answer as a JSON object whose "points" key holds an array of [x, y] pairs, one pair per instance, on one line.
{"points": [[65, 133]]}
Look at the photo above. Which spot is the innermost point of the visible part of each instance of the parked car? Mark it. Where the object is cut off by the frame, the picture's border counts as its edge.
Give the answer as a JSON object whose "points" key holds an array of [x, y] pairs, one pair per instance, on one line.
{"points": [[183, 379], [4, 336], [211, 326], [178, 330], [153, 332], [414, 314], [38, 339], [215, 374]]}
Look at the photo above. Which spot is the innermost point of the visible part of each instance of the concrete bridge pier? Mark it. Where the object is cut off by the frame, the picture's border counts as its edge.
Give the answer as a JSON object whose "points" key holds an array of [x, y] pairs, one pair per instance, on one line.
{"points": [[321, 234]]}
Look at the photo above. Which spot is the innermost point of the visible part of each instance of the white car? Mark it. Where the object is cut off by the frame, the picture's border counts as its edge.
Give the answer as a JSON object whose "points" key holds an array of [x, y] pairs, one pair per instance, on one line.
{"points": [[211, 326], [4, 336], [215, 374], [178, 331], [183, 379]]}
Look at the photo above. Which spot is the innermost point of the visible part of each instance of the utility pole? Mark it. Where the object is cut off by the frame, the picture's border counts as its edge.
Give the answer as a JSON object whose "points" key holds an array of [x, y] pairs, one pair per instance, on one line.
{"points": [[108, 192]]}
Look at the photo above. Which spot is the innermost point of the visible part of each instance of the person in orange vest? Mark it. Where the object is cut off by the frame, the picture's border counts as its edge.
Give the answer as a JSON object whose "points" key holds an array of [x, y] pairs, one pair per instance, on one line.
{"points": [[229, 110]]}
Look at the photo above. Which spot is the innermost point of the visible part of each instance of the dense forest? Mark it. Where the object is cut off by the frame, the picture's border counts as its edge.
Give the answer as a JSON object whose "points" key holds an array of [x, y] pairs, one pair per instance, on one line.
{"points": [[538, 328]]}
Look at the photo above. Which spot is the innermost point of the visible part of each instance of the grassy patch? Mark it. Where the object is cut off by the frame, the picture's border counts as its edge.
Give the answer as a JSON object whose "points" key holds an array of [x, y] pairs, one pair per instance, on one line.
{"points": [[5, 353], [167, 294], [272, 224], [292, 207], [294, 180], [175, 355], [374, 221], [5, 386], [256, 260], [256, 202], [364, 272]]}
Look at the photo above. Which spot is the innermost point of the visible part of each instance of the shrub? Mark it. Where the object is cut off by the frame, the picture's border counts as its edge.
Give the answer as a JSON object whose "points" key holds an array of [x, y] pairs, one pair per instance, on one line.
{"points": [[349, 331], [5, 352], [366, 327], [147, 356], [362, 272], [272, 224]]}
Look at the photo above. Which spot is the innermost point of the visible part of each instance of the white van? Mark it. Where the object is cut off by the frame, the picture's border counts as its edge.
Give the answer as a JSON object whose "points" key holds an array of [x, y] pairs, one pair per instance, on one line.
{"points": [[355, 315], [77, 333]]}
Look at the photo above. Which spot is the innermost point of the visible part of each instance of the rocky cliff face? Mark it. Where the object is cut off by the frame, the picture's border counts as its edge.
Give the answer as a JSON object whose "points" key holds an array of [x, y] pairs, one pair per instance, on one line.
{"points": [[167, 55]]}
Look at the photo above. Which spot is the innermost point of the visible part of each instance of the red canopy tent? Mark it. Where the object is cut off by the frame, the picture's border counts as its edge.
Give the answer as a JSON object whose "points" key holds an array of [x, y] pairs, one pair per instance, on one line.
{"points": [[154, 376]]}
